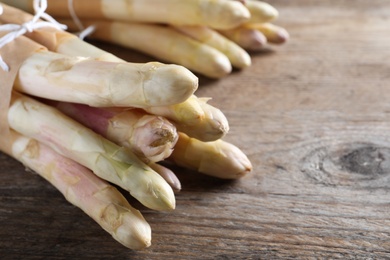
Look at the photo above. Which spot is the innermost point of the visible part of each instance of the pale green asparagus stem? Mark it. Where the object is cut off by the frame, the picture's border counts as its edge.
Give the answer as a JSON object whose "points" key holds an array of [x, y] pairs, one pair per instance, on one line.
{"points": [[196, 118], [99, 200], [107, 160], [238, 57], [98, 83], [150, 137], [219, 14], [219, 158]]}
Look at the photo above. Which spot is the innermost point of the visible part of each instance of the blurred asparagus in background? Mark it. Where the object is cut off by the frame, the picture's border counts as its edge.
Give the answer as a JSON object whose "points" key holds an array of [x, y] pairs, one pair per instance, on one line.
{"points": [[209, 37]]}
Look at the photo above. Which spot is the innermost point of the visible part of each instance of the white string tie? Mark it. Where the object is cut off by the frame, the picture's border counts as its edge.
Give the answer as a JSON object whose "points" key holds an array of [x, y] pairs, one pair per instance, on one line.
{"points": [[16, 30], [83, 32]]}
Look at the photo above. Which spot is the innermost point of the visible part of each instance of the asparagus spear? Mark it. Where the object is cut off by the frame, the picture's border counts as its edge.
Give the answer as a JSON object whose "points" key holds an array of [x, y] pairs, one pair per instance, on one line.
{"points": [[98, 83], [219, 14], [150, 137], [99, 200], [173, 46], [260, 12], [196, 118], [247, 38], [274, 33], [107, 160], [168, 175], [219, 158], [238, 57], [67, 43]]}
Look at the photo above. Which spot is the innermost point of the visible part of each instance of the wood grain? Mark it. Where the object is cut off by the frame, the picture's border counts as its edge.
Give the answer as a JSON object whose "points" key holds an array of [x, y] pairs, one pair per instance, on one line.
{"points": [[312, 115]]}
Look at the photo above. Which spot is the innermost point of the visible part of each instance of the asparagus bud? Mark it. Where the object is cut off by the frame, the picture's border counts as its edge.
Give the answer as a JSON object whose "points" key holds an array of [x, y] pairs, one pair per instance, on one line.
{"points": [[247, 38], [274, 34], [150, 137], [196, 118], [219, 158], [168, 175]]}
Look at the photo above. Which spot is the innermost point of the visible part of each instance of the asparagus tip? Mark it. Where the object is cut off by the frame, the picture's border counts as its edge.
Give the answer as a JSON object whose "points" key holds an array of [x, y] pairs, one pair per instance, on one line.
{"points": [[258, 41], [133, 233], [179, 82], [221, 67], [282, 36]]}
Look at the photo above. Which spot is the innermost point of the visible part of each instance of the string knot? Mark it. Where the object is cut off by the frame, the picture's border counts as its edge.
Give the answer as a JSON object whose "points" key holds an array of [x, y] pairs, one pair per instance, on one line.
{"points": [[41, 19], [28, 27]]}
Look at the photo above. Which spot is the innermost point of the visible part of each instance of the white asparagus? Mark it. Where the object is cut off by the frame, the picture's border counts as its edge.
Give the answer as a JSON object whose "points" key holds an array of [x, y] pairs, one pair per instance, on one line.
{"points": [[107, 160], [98, 83], [219, 158], [168, 175], [173, 46], [238, 57], [219, 14], [150, 137], [247, 38], [275, 34], [99, 200], [260, 12], [196, 118]]}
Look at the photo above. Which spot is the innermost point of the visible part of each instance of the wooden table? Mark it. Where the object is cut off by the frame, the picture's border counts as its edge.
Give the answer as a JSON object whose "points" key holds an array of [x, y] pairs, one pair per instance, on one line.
{"points": [[314, 118]]}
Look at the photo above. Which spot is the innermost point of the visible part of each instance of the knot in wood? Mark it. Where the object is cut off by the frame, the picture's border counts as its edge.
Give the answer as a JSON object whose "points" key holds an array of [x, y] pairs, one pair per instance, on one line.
{"points": [[358, 165], [367, 160]]}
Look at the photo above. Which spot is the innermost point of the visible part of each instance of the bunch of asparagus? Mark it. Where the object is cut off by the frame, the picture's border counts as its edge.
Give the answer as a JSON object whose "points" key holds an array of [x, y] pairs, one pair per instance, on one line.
{"points": [[209, 37], [84, 119]]}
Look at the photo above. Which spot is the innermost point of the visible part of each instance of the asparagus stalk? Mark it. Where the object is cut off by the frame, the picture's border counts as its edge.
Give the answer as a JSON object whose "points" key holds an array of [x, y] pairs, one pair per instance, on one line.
{"points": [[107, 160], [99, 200], [274, 33], [238, 57], [247, 38], [219, 14], [168, 175], [260, 12], [173, 46], [150, 137], [196, 118], [82, 80], [219, 158]]}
